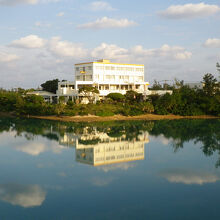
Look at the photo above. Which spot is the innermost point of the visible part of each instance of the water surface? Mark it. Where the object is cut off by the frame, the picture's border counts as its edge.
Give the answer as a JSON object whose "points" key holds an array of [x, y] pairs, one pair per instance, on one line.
{"points": [[111, 170]]}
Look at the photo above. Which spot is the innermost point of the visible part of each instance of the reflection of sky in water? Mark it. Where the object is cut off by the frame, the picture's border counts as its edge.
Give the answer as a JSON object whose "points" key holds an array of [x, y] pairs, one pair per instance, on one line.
{"points": [[41, 177], [22, 195]]}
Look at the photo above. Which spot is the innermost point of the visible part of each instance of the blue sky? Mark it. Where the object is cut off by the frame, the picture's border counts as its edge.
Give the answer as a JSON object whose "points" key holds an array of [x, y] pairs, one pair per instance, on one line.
{"points": [[42, 39]]}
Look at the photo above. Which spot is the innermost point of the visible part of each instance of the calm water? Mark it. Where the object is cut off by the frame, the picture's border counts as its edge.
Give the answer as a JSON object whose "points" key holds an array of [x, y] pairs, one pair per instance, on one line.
{"points": [[113, 170]]}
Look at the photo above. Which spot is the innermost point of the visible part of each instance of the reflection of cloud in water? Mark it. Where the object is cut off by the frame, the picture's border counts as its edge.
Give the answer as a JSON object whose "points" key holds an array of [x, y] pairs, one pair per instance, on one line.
{"points": [[22, 195], [36, 148], [104, 181], [189, 177], [119, 166], [33, 148], [161, 138]]}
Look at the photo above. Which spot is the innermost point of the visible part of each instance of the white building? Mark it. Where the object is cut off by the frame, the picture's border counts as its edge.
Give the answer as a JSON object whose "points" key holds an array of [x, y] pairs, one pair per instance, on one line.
{"points": [[107, 77], [110, 150]]}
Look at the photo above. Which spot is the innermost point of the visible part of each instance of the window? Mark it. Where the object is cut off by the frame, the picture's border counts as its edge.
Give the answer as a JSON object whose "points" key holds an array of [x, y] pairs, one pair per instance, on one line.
{"points": [[99, 67], [77, 68], [97, 77], [78, 77], [108, 68], [71, 87], [140, 69], [89, 68], [89, 77], [140, 78]]}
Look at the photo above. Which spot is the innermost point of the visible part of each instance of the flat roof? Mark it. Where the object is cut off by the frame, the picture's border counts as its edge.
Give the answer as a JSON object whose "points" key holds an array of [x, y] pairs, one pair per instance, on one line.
{"points": [[110, 63]]}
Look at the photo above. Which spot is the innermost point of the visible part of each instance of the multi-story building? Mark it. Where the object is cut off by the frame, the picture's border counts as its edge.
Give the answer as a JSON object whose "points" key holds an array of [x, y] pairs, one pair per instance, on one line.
{"points": [[100, 149], [107, 77]]}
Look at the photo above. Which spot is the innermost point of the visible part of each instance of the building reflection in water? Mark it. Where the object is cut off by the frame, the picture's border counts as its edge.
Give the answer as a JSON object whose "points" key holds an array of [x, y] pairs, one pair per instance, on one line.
{"points": [[99, 148]]}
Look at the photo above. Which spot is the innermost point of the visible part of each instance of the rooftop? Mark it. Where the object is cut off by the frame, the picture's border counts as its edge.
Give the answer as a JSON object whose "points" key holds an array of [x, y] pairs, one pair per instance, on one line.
{"points": [[103, 61]]}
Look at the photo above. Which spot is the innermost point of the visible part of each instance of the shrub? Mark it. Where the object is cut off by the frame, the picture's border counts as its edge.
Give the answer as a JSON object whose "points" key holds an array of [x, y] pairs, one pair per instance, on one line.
{"points": [[118, 97]]}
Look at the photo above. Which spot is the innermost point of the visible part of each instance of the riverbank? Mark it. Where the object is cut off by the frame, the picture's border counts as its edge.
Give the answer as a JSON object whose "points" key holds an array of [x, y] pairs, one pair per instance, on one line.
{"points": [[93, 118]]}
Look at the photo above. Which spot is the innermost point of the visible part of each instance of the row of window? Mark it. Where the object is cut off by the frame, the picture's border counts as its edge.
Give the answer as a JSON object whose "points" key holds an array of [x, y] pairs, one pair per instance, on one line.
{"points": [[110, 77], [68, 86], [120, 148], [111, 68], [122, 156], [119, 68], [84, 68]]}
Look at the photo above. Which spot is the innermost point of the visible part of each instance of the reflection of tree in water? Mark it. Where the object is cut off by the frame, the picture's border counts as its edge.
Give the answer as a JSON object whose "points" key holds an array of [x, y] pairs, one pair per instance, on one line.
{"points": [[89, 142], [31, 128], [205, 131]]}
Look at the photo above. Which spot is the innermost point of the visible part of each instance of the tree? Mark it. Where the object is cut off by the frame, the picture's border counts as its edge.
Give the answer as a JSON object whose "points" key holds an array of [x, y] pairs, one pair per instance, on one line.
{"points": [[132, 96], [50, 85], [118, 97], [218, 67], [90, 92], [156, 86], [210, 84]]}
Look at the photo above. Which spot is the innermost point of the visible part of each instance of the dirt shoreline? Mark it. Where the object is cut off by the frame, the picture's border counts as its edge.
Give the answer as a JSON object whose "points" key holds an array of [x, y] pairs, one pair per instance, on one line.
{"points": [[93, 118]]}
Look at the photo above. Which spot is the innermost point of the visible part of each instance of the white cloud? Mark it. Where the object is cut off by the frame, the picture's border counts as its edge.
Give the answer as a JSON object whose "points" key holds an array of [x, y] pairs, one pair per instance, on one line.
{"points": [[42, 24], [113, 51], [22, 195], [212, 42], [105, 22], [66, 48], [30, 2], [6, 57], [31, 41], [101, 6], [15, 2], [120, 166], [175, 52], [54, 58], [188, 11], [100, 182], [161, 138], [60, 14], [37, 148], [189, 177], [110, 51]]}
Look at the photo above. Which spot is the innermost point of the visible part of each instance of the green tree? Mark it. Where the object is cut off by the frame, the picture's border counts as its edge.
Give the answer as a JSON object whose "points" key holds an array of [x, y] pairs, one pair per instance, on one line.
{"points": [[132, 96], [118, 97], [156, 86], [50, 85], [90, 92], [218, 67], [210, 83]]}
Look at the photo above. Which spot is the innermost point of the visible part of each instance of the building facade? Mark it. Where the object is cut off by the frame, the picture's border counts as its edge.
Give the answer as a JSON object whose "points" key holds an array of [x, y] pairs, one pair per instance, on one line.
{"points": [[99, 148], [107, 77]]}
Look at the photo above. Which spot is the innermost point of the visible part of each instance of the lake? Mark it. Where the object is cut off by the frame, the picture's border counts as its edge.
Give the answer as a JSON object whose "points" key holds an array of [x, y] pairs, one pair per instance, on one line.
{"points": [[109, 170]]}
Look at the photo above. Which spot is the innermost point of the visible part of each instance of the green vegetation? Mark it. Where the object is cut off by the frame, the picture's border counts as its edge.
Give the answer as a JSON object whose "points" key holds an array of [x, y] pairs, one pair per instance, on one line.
{"points": [[89, 92], [50, 85], [184, 101]]}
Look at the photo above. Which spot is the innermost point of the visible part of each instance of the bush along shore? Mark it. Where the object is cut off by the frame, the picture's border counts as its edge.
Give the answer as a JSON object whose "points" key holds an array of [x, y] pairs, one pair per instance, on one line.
{"points": [[184, 102]]}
